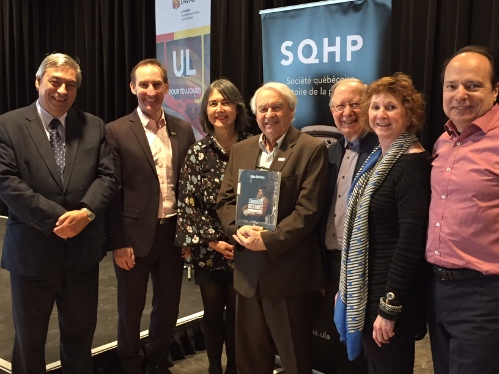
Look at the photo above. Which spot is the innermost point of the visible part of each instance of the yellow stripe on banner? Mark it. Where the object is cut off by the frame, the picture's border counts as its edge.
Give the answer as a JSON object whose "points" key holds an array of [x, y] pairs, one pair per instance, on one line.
{"points": [[192, 32]]}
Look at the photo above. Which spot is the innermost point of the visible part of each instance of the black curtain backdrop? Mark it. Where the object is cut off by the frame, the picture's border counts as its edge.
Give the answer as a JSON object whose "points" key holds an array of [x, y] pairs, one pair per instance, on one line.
{"points": [[108, 37], [111, 36]]}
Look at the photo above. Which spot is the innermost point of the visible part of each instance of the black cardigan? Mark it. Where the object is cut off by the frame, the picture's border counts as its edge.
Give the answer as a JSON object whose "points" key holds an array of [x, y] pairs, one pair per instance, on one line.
{"points": [[398, 219]]}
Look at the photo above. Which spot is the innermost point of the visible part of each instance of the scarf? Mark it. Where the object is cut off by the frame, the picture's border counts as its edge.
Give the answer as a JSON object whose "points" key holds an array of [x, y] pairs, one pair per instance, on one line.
{"points": [[350, 309]]}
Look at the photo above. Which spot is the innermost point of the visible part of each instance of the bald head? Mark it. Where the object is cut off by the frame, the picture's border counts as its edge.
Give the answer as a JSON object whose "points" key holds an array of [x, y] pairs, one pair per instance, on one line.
{"points": [[468, 92], [346, 96], [354, 83]]}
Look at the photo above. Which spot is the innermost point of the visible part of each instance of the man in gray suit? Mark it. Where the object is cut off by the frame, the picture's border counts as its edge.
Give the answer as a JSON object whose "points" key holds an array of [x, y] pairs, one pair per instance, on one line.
{"points": [[149, 149], [277, 272], [57, 178]]}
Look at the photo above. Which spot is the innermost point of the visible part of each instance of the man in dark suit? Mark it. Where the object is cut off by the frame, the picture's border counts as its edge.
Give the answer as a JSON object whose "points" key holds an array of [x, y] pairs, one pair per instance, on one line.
{"points": [[345, 158], [277, 272], [149, 148], [54, 236]]}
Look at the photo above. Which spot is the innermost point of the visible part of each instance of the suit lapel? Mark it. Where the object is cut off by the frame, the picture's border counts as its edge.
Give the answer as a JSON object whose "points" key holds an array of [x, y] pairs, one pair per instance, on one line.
{"points": [[171, 127], [283, 153], [251, 153], [335, 157], [138, 130], [73, 135], [37, 132]]}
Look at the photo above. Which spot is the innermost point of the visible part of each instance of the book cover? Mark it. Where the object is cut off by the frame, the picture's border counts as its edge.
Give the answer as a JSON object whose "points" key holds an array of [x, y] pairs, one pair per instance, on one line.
{"points": [[258, 198]]}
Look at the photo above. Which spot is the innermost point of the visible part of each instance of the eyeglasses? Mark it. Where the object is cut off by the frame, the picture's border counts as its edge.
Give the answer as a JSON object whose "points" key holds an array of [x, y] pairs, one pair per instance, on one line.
{"points": [[342, 107]]}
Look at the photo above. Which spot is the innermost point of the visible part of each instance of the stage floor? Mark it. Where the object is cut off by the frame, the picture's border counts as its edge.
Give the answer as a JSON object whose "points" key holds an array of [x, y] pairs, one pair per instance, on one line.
{"points": [[107, 321], [108, 317]]}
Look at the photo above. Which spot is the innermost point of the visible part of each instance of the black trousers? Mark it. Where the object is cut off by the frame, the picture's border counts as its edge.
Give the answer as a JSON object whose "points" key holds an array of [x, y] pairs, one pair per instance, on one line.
{"points": [[464, 326], [164, 265], [266, 326], [394, 357], [33, 298]]}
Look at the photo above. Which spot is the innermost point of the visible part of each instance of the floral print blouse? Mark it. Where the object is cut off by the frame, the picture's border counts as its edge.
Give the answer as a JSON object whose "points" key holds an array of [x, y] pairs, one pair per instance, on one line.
{"points": [[197, 219]]}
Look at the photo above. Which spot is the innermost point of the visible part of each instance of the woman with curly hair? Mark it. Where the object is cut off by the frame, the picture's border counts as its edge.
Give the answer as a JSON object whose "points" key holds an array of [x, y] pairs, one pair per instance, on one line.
{"points": [[381, 302]]}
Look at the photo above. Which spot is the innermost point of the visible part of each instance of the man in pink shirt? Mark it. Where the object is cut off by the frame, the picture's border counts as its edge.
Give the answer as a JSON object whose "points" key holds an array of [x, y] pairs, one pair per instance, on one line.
{"points": [[463, 230]]}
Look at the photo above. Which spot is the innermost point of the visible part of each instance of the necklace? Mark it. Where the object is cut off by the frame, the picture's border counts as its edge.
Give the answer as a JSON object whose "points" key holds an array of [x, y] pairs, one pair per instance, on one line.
{"points": [[225, 149]]}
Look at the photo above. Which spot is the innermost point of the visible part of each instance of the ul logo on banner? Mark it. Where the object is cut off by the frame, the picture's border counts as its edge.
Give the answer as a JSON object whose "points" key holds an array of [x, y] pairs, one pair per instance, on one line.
{"points": [[176, 4]]}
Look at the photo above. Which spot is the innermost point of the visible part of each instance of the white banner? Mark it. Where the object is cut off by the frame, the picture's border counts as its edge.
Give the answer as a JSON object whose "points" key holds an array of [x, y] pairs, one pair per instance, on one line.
{"points": [[183, 46]]}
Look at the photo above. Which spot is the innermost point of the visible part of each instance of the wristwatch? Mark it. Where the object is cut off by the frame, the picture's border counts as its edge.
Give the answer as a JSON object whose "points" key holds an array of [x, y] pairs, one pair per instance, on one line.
{"points": [[90, 214]]}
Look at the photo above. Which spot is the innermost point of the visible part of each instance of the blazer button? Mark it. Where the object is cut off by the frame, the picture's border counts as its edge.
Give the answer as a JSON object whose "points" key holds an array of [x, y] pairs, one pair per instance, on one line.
{"points": [[156, 191], [155, 214]]}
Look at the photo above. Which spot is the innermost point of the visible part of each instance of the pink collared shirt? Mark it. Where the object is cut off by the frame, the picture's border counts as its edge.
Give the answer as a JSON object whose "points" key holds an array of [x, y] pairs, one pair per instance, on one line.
{"points": [[463, 230], [159, 142]]}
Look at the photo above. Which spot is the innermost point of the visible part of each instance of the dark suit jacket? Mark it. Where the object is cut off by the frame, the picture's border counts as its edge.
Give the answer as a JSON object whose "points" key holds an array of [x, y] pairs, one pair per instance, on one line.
{"points": [[292, 264], [335, 156], [133, 214], [31, 187]]}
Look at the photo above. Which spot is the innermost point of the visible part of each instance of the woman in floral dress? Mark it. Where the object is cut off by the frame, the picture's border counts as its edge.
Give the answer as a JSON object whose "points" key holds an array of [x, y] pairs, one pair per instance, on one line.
{"points": [[224, 119]]}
